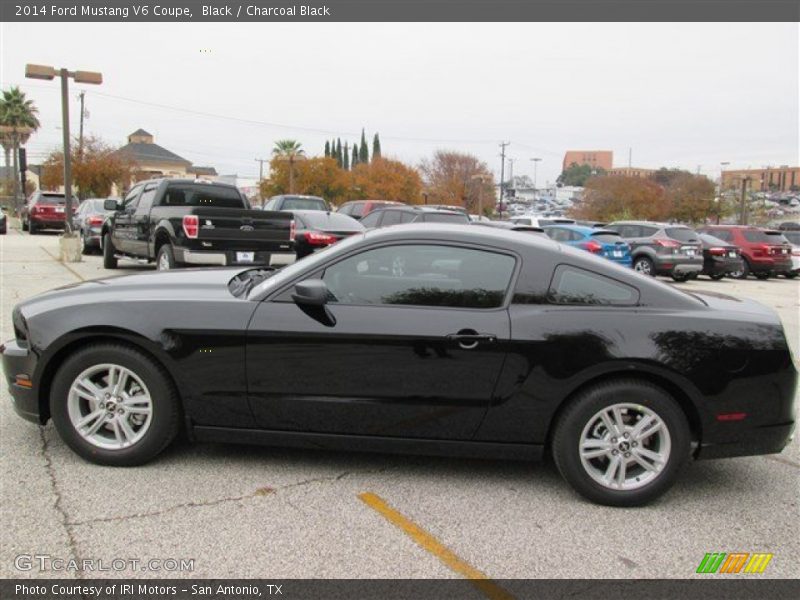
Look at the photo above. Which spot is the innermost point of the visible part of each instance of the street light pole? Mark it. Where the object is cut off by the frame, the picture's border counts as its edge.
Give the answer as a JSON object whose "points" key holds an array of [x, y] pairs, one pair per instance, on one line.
{"points": [[70, 251], [535, 165], [67, 157]]}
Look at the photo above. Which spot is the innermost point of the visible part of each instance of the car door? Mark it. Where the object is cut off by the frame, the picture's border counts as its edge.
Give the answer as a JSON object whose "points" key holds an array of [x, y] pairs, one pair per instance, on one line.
{"points": [[141, 221], [413, 348], [124, 228]]}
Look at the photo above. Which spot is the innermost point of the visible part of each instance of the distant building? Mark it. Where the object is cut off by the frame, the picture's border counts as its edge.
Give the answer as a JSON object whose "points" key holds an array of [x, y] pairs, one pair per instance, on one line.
{"points": [[632, 172], [769, 179], [597, 159], [153, 160]]}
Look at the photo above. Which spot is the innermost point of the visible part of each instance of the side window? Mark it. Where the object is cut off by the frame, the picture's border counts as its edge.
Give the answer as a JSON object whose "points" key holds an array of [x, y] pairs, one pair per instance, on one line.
{"points": [[574, 236], [557, 234], [391, 217], [346, 210], [371, 220], [648, 231], [146, 200], [422, 275], [406, 217], [723, 235], [133, 197], [572, 285], [270, 205]]}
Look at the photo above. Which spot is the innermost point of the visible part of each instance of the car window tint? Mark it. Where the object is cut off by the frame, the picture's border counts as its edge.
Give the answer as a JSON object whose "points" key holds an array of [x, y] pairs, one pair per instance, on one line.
{"points": [[406, 217], [391, 217], [298, 203], [572, 285], [270, 205], [456, 217], [146, 200], [371, 220], [682, 234], [647, 231], [191, 194], [793, 237], [607, 237], [422, 275], [557, 233]]}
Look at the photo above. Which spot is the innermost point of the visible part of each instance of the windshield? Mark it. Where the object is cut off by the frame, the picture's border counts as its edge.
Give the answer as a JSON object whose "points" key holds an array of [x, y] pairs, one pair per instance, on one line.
{"points": [[308, 264], [793, 237], [712, 241], [446, 218], [192, 194], [304, 204], [330, 221], [682, 234]]}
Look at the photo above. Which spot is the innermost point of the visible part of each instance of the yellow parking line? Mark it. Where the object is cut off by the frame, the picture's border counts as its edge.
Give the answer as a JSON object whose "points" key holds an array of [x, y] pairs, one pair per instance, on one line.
{"points": [[435, 547]]}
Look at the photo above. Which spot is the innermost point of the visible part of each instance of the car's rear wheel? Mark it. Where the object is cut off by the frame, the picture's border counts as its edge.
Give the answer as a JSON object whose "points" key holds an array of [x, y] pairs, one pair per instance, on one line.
{"points": [[621, 443], [32, 228], [743, 272], [680, 276], [24, 224], [109, 260], [114, 405], [716, 276], [85, 249], [762, 276], [791, 275], [165, 260], [644, 265]]}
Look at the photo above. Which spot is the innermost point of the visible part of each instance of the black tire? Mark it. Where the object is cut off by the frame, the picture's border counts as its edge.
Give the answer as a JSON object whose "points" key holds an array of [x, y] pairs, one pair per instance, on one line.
{"points": [[743, 273], [85, 249], [583, 409], [165, 259], [32, 229], [680, 277], [762, 276], [717, 276], [644, 265], [791, 275], [165, 418], [109, 260], [24, 224]]}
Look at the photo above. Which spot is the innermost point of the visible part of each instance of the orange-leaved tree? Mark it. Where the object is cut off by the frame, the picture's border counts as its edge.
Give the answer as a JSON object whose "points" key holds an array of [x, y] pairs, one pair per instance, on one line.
{"points": [[386, 179], [458, 178], [612, 197], [314, 177]]}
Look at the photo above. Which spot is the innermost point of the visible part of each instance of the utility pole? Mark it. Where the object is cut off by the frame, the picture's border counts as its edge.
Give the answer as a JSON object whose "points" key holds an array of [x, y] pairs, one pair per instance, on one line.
{"points": [[511, 162], [630, 157], [535, 165], [743, 206], [502, 173], [261, 162]]}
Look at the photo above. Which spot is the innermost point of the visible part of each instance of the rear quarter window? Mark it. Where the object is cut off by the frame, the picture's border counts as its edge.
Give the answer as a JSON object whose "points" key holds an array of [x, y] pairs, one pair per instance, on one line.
{"points": [[576, 286]]}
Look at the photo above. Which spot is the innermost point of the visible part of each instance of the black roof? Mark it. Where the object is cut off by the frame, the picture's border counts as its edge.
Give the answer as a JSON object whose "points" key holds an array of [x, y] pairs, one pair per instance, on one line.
{"points": [[148, 152]]}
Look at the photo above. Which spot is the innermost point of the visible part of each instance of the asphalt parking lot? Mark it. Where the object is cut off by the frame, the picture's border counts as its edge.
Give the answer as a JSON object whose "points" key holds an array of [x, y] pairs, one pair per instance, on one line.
{"points": [[279, 513]]}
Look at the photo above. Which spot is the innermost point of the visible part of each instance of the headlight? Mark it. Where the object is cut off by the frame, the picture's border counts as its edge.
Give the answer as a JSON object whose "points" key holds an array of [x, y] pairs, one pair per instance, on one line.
{"points": [[20, 326]]}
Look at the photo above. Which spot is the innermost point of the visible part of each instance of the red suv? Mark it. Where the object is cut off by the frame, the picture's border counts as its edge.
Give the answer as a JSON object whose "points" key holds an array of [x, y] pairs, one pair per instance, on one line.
{"points": [[45, 210], [765, 252]]}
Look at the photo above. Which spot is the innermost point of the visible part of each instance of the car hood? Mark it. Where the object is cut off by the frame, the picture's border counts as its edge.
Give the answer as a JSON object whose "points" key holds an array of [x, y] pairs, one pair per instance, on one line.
{"points": [[177, 285]]}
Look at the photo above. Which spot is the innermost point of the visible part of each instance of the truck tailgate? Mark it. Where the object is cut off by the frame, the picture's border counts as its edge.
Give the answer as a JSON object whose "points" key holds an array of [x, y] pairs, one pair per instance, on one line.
{"points": [[244, 227]]}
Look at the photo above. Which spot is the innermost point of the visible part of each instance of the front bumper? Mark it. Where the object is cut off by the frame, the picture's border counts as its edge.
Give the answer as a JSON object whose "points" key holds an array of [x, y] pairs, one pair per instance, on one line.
{"points": [[20, 361], [230, 258]]}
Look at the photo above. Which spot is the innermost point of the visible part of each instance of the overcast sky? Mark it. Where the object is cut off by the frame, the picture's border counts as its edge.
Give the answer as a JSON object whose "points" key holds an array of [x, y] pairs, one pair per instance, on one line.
{"points": [[679, 95]]}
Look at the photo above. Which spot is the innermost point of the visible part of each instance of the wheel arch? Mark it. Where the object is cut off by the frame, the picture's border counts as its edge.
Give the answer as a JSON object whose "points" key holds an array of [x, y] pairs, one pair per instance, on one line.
{"points": [[164, 234], [684, 400], [87, 337]]}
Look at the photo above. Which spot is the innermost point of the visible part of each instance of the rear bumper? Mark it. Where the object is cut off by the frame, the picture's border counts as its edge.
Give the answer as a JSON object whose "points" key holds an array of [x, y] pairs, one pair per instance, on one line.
{"points": [[770, 265], [231, 258], [764, 440], [678, 265], [48, 223], [19, 361], [722, 266]]}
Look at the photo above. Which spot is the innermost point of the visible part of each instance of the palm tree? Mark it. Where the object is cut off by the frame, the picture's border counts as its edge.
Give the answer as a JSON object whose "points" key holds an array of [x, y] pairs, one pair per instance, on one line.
{"points": [[16, 111], [290, 151]]}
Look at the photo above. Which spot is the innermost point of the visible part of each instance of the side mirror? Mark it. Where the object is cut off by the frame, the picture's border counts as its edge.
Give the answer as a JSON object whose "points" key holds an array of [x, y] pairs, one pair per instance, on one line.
{"points": [[312, 292], [111, 204]]}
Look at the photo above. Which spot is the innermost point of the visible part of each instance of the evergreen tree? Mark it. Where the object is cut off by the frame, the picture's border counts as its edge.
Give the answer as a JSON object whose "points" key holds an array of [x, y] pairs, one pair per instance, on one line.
{"points": [[339, 156], [376, 147], [327, 149], [356, 158], [364, 153], [346, 157]]}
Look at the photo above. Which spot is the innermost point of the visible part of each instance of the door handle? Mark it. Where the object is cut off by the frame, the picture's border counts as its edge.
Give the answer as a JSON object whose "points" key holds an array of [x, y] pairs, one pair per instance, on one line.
{"points": [[470, 339]]}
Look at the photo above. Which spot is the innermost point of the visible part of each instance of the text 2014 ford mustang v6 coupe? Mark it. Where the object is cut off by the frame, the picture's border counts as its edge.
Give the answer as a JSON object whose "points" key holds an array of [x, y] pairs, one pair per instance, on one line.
{"points": [[440, 339]]}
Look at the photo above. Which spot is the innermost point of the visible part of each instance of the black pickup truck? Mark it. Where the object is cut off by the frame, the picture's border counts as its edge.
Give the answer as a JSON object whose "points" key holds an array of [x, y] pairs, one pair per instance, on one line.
{"points": [[180, 222]]}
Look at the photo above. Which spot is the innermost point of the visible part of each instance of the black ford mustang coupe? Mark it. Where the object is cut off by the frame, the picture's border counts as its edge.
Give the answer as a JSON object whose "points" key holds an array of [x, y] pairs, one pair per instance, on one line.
{"points": [[435, 339]]}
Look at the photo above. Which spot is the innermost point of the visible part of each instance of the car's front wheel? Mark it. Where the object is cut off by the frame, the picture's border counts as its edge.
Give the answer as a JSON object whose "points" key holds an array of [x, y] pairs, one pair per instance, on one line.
{"points": [[621, 443], [113, 405], [109, 260], [165, 261]]}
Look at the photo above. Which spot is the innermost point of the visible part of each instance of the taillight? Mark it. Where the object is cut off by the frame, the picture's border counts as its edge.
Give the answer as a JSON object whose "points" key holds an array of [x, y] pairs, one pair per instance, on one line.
{"points": [[592, 247], [315, 238], [95, 220], [716, 251], [191, 226], [292, 230], [666, 246]]}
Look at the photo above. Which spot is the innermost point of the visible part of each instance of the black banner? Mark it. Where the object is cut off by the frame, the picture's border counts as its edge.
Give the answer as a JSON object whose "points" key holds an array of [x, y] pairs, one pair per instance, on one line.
{"points": [[713, 588], [401, 10]]}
